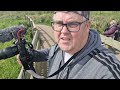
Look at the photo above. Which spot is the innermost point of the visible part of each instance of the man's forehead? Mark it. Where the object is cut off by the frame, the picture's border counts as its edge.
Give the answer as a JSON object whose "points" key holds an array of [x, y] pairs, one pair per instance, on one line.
{"points": [[71, 17], [82, 13], [64, 12]]}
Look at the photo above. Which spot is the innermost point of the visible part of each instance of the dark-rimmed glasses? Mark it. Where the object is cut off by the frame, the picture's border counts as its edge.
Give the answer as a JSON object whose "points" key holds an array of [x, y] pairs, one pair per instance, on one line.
{"points": [[71, 26]]}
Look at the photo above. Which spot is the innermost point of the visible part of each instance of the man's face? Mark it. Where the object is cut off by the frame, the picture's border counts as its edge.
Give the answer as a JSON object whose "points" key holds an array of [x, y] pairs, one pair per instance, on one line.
{"points": [[70, 42]]}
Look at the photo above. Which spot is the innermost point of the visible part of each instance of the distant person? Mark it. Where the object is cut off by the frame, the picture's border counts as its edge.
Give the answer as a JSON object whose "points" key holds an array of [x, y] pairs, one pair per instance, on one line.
{"points": [[112, 23], [111, 29]]}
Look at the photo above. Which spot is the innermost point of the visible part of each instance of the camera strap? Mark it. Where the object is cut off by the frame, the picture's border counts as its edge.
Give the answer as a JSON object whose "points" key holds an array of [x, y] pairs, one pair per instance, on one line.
{"points": [[65, 65], [91, 54]]}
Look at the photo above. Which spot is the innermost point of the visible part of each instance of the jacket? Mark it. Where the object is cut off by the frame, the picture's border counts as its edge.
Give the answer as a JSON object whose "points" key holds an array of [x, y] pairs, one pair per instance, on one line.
{"points": [[111, 31], [94, 61]]}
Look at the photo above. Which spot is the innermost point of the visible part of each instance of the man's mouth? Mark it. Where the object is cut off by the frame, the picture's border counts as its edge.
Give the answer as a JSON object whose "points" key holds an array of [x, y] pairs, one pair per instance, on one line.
{"points": [[66, 39]]}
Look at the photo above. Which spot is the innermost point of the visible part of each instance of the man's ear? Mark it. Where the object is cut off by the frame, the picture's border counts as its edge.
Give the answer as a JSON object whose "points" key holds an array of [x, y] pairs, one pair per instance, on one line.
{"points": [[88, 23]]}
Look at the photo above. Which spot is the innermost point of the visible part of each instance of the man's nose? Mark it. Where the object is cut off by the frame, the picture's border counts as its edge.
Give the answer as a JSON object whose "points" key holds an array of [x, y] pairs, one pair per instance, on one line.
{"points": [[65, 29]]}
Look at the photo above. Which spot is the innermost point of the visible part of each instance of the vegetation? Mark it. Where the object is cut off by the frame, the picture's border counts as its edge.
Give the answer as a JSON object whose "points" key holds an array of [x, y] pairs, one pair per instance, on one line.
{"points": [[99, 19], [9, 68]]}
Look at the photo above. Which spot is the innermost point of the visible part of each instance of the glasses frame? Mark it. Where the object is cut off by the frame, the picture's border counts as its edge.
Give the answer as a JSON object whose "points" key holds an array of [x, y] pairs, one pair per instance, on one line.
{"points": [[80, 23]]}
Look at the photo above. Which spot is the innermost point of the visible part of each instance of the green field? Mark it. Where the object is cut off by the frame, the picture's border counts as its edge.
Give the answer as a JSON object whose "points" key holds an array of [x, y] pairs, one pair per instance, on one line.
{"points": [[9, 68]]}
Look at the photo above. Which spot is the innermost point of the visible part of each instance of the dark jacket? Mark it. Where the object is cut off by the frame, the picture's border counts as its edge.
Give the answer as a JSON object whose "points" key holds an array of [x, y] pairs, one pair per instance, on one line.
{"points": [[111, 31], [94, 61]]}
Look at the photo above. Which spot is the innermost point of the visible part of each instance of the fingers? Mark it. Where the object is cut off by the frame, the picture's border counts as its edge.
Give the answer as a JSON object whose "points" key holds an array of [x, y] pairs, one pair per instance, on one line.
{"points": [[18, 59]]}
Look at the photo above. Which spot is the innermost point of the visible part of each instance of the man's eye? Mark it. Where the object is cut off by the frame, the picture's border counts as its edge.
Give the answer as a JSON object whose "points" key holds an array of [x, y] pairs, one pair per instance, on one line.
{"points": [[72, 25], [58, 24]]}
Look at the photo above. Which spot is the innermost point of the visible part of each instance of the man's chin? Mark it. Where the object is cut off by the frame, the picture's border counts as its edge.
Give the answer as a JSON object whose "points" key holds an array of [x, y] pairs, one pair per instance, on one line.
{"points": [[65, 48]]}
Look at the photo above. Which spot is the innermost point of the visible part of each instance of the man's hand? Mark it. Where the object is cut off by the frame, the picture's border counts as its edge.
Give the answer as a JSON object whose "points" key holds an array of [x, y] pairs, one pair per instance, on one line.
{"points": [[18, 59]]}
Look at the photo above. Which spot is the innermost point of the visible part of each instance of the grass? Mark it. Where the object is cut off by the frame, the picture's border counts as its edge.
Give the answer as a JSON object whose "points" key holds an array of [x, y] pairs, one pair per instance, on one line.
{"points": [[9, 68]]}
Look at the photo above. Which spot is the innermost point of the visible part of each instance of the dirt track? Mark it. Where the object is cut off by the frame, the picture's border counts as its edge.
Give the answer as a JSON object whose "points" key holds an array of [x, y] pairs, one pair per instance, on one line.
{"points": [[47, 37]]}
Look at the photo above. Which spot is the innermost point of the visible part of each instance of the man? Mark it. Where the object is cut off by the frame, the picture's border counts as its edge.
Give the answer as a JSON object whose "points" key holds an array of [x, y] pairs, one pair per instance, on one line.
{"points": [[79, 53]]}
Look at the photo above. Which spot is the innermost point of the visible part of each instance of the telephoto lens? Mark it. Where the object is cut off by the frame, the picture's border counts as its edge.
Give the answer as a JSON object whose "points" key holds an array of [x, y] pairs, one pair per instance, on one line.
{"points": [[8, 52]]}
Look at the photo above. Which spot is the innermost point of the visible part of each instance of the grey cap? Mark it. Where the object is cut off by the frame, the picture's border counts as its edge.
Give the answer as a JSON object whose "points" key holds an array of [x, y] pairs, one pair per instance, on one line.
{"points": [[85, 14]]}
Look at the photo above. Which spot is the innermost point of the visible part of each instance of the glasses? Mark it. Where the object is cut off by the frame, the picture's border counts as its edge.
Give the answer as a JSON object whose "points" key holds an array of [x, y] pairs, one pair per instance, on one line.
{"points": [[71, 26]]}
